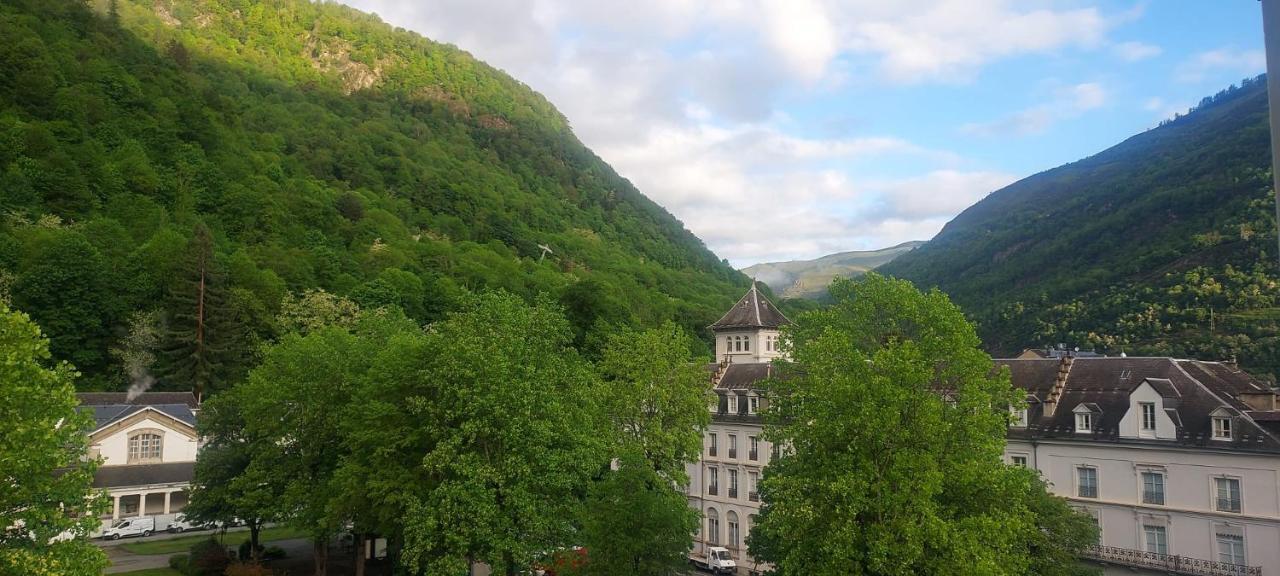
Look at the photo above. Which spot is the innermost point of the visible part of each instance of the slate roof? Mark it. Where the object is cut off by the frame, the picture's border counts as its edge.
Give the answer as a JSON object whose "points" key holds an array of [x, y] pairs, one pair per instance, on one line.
{"points": [[744, 376], [143, 474], [109, 407], [752, 311], [1191, 390]]}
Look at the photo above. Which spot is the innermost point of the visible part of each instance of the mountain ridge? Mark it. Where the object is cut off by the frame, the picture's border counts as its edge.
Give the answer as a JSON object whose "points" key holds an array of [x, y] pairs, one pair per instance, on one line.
{"points": [[809, 278]]}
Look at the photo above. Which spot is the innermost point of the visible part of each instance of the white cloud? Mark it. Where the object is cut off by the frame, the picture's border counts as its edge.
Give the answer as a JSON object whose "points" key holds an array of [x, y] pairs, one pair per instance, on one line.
{"points": [[684, 98], [1136, 51], [1241, 62], [1065, 103]]}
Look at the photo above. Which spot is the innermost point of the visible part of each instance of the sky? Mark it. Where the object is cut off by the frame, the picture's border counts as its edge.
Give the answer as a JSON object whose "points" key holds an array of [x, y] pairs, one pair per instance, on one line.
{"points": [[790, 129]]}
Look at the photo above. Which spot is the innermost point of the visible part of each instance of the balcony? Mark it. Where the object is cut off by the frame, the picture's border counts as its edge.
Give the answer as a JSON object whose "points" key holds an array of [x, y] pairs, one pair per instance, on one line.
{"points": [[713, 490], [753, 496], [733, 492], [733, 453], [1168, 563]]}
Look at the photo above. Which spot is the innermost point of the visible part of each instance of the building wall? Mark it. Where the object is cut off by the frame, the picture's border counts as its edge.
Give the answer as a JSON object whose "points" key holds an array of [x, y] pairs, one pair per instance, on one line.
{"points": [[758, 352], [721, 502], [1188, 514], [175, 447]]}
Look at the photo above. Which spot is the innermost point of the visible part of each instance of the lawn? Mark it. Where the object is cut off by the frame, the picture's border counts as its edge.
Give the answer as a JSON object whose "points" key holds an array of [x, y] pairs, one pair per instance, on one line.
{"points": [[153, 572], [179, 545]]}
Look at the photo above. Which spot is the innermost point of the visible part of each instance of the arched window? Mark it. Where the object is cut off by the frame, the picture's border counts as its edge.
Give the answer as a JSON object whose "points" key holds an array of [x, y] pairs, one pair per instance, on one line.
{"points": [[713, 526], [732, 518], [145, 446]]}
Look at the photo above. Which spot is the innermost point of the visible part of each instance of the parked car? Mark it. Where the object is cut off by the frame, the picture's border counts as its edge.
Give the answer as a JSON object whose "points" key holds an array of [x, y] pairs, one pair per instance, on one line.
{"points": [[130, 527], [181, 524]]}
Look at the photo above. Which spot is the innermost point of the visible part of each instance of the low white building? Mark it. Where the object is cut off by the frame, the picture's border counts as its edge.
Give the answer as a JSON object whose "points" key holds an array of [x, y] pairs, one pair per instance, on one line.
{"points": [[1179, 460], [148, 447]]}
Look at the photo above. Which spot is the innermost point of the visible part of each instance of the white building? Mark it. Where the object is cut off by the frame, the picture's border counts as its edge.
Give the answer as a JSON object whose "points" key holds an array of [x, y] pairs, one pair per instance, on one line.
{"points": [[1179, 460], [148, 447], [723, 484]]}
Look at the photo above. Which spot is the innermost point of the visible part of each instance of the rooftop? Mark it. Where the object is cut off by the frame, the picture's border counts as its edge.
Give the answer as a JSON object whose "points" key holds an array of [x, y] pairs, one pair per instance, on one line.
{"points": [[752, 311]]}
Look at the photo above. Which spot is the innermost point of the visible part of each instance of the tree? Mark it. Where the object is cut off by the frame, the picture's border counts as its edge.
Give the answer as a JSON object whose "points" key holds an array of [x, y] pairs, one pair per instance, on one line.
{"points": [[224, 487], [203, 333], [499, 428], [638, 521], [892, 421], [47, 506]]}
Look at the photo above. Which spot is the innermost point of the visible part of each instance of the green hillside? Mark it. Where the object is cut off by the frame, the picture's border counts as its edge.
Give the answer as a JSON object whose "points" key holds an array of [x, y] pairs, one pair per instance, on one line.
{"points": [[810, 278], [153, 148], [1163, 244]]}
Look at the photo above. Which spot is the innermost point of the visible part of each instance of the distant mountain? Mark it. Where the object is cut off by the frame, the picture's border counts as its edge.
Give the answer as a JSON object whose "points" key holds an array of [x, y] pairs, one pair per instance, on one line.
{"points": [[1163, 244], [810, 278]]}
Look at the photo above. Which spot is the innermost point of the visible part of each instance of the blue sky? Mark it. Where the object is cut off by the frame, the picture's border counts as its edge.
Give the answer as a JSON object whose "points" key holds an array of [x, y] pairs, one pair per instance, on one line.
{"points": [[783, 129]]}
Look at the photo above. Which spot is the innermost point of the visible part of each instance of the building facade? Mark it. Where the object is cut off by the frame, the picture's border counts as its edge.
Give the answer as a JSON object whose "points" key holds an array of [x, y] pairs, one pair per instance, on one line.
{"points": [[1177, 460], [148, 446]]}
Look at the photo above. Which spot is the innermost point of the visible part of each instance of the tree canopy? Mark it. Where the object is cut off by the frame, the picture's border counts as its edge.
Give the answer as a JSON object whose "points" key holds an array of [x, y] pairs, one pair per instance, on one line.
{"points": [[892, 422]]}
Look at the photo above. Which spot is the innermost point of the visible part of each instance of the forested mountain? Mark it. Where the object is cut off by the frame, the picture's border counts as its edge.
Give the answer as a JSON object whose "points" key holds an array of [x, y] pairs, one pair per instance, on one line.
{"points": [[810, 278], [1163, 244], [173, 171]]}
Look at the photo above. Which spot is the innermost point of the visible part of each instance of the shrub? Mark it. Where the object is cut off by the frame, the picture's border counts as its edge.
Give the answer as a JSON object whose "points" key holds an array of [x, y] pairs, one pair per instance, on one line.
{"points": [[248, 569], [273, 553], [246, 553], [208, 558], [181, 563]]}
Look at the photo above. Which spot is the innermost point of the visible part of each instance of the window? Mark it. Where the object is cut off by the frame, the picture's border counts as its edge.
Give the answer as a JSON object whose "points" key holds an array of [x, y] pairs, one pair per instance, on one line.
{"points": [[711, 447], [144, 446], [1019, 461], [753, 491], [737, 344], [1221, 428], [1230, 546], [1084, 422], [733, 403], [1157, 541], [1020, 417], [1228, 494], [713, 481], [754, 452], [1148, 416], [746, 344], [768, 344], [732, 517], [713, 526], [733, 446], [753, 405], [733, 483], [1153, 488], [1087, 486]]}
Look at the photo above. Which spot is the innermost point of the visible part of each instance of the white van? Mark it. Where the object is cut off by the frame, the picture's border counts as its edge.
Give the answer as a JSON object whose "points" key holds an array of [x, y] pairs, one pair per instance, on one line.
{"points": [[144, 526], [716, 559]]}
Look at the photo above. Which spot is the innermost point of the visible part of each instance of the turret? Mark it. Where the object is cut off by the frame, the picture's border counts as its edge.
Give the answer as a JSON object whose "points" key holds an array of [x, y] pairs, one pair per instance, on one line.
{"points": [[748, 332]]}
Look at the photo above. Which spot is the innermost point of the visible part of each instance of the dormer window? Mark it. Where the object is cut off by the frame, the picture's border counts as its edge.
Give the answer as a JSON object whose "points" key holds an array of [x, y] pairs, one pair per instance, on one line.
{"points": [[1221, 428], [1019, 416], [733, 403], [1084, 422], [753, 405], [1148, 413]]}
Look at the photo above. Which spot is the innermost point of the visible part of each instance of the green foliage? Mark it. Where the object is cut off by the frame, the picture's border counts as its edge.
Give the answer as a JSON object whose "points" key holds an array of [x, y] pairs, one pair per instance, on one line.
{"points": [[637, 522], [46, 517], [208, 558], [892, 421], [1163, 245], [323, 150]]}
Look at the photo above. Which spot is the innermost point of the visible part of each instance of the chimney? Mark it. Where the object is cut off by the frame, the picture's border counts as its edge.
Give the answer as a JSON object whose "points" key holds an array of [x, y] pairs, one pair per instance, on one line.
{"points": [[1260, 401], [1059, 384]]}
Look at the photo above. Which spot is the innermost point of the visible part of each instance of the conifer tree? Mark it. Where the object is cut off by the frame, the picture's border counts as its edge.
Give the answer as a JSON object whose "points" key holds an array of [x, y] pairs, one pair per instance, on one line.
{"points": [[202, 328]]}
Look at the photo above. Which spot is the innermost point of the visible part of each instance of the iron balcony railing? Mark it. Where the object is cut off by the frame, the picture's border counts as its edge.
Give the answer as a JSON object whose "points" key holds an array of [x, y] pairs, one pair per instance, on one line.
{"points": [[733, 452], [753, 496], [1168, 563], [712, 490], [733, 492], [1152, 497], [753, 455], [1088, 491], [711, 451], [1228, 504]]}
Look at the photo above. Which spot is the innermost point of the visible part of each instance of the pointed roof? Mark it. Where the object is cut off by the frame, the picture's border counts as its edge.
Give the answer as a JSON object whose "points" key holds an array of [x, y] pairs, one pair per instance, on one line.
{"points": [[752, 311]]}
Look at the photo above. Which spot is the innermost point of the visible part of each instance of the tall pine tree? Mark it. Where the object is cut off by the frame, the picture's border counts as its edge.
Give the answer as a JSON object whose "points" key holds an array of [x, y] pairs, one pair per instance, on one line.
{"points": [[203, 332]]}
